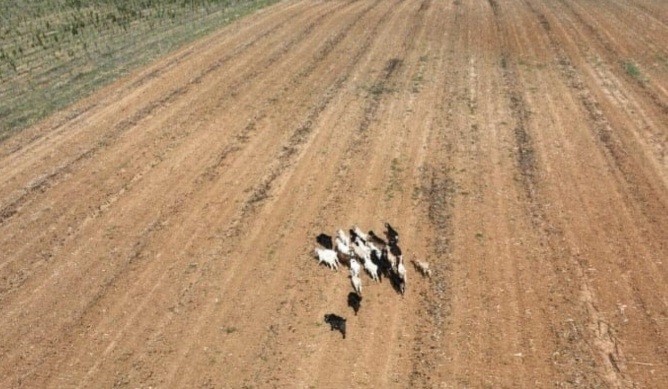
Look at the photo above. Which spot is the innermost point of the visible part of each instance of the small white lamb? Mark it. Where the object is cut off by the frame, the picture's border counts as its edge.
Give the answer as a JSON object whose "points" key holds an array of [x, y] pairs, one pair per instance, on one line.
{"points": [[329, 257], [371, 268], [357, 284], [361, 250], [341, 246], [401, 271], [355, 268]]}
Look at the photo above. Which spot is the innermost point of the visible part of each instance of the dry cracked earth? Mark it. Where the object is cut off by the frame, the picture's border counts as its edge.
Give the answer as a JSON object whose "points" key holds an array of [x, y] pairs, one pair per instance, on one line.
{"points": [[160, 233]]}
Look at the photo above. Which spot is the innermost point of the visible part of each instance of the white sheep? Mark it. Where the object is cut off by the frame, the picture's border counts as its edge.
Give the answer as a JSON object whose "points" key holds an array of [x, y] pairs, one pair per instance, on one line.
{"points": [[329, 257], [401, 269], [357, 284], [355, 268], [342, 247], [371, 268], [361, 250]]}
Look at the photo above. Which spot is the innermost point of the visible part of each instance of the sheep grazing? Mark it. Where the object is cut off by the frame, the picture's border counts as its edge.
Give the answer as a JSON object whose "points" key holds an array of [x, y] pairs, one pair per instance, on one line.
{"points": [[357, 283], [392, 234], [422, 267], [325, 241], [354, 301], [336, 322], [371, 268], [355, 267], [329, 257]]}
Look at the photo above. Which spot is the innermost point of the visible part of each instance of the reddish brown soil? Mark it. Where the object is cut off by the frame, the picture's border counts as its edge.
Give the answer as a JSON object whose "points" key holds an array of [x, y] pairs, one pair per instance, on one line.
{"points": [[160, 233]]}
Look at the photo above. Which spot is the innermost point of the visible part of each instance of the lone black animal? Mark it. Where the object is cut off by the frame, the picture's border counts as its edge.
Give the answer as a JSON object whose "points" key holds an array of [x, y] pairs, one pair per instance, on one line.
{"points": [[336, 322], [392, 234], [354, 301], [325, 241]]}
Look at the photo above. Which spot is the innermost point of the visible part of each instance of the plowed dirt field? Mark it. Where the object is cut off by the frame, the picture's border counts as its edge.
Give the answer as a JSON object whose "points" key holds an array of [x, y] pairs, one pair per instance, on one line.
{"points": [[161, 232]]}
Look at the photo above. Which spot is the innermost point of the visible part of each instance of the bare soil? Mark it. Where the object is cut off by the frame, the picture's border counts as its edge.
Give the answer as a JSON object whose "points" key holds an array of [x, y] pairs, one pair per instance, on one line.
{"points": [[161, 232]]}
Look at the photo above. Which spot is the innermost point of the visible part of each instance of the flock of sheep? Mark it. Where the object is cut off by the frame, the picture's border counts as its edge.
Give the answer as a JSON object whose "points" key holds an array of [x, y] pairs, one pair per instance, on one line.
{"points": [[379, 257]]}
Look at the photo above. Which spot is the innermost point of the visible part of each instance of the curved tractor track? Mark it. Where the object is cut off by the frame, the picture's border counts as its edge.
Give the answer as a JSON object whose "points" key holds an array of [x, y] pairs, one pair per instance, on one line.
{"points": [[160, 232]]}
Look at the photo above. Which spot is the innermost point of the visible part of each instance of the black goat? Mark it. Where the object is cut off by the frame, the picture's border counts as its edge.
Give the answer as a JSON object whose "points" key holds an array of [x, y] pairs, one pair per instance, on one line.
{"points": [[354, 301], [336, 322], [325, 241]]}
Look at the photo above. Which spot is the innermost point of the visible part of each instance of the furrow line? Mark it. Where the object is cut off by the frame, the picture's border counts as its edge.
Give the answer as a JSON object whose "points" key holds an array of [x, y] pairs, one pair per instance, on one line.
{"points": [[578, 347], [640, 187]]}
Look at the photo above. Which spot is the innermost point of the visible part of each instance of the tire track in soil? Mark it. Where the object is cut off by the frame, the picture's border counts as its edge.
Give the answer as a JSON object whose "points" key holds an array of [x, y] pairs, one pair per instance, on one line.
{"points": [[241, 138], [579, 341], [436, 199], [45, 182], [643, 194]]}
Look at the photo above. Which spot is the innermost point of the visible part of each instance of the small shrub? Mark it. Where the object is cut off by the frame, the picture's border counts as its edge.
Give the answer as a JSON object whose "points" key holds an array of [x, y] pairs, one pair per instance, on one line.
{"points": [[632, 70]]}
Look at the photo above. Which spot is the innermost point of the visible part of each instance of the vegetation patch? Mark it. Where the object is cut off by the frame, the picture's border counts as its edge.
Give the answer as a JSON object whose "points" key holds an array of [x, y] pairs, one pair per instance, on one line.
{"points": [[53, 53], [633, 70]]}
